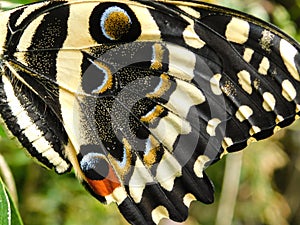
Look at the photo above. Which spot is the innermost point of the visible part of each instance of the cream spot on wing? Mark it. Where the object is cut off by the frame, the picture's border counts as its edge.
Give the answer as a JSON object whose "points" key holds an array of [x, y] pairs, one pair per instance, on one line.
{"points": [[227, 142], [245, 81], [212, 125], [181, 62], [237, 31], [191, 38], [118, 195], [138, 181], [215, 84], [288, 53], [188, 198], [276, 129], [254, 130], [248, 53], [243, 113], [279, 118], [200, 164], [251, 140], [269, 101], [190, 11], [266, 40], [184, 97], [288, 90], [297, 108], [168, 128], [264, 66], [159, 213], [167, 171]]}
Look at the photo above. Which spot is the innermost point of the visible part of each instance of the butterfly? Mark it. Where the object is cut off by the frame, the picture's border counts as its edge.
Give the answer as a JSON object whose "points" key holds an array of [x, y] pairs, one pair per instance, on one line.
{"points": [[140, 97]]}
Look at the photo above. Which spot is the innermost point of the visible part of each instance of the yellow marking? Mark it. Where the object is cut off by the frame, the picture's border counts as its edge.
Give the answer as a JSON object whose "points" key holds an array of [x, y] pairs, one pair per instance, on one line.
{"points": [[288, 53], [31, 131], [167, 171], [28, 10], [227, 142], [27, 36], [266, 40], [251, 140], [118, 195], [269, 101], [80, 38], [4, 18], [297, 108], [228, 88], [138, 180], [191, 38], [159, 213], [157, 58], [264, 66], [254, 130], [123, 167], [199, 165], [245, 81], [69, 69], [288, 90], [237, 31], [212, 125], [297, 117], [184, 97], [276, 129], [162, 87], [225, 152], [116, 25], [153, 114], [150, 30], [108, 82], [279, 119], [153, 146], [181, 62], [248, 53], [190, 11], [215, 84], [168, 128], [188, 198], [243, 113], [256, 83]]}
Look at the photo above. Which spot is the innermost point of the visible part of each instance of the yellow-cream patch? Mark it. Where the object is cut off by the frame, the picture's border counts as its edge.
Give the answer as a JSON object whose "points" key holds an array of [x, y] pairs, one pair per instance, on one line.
{"points": [[188, 198], [237, 31], [264, 66], [199, 165], [159, 213], [288, 53], [288, 90], [245, 81], [215, 84], [167, 171], [243, 113], [212, 125], [191, 38], [184, 97], [269, 101], [248, 53]]}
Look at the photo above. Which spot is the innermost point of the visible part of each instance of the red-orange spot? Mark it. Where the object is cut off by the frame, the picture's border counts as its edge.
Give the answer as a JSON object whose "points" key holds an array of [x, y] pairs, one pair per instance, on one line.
{"points": [[106, 186]]}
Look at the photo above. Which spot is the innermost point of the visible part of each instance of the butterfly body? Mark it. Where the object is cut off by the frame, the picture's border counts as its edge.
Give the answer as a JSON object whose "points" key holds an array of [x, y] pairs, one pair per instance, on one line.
{"points": [[139, 97]]}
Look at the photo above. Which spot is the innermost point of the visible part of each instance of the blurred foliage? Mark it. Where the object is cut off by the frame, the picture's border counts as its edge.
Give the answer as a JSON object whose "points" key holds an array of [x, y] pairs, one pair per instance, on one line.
{"points": [[269, 179]]}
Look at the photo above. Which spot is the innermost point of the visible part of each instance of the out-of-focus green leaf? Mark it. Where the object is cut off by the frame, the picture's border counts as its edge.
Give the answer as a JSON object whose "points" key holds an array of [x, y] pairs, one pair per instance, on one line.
{"points": [[8, 212]]}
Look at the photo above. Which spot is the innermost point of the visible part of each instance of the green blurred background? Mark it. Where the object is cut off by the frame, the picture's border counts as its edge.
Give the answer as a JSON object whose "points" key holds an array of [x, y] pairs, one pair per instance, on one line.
{"points": [[269, 179]]}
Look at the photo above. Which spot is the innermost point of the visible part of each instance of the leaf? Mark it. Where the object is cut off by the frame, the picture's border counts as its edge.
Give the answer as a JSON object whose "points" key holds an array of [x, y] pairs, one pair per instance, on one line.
{"points": [[9, 214]]}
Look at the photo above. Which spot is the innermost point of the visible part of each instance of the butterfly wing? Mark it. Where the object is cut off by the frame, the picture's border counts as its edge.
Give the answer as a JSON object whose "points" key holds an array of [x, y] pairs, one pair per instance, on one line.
{"points": [[148, 94]]}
